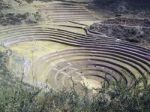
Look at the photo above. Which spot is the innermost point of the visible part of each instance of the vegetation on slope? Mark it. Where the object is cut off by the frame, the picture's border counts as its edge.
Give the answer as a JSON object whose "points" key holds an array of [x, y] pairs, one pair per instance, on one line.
{"points": [[136, 7], [16, 96], [14, 12]]}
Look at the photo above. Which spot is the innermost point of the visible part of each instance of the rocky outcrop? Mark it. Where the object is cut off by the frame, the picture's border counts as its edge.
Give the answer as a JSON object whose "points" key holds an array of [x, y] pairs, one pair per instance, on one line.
{"points": [[132, 30]]}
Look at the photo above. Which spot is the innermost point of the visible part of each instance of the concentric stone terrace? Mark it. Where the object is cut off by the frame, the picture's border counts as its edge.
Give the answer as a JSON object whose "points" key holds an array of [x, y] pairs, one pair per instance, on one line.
{"points": [[93, 58], [63, 11]]}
